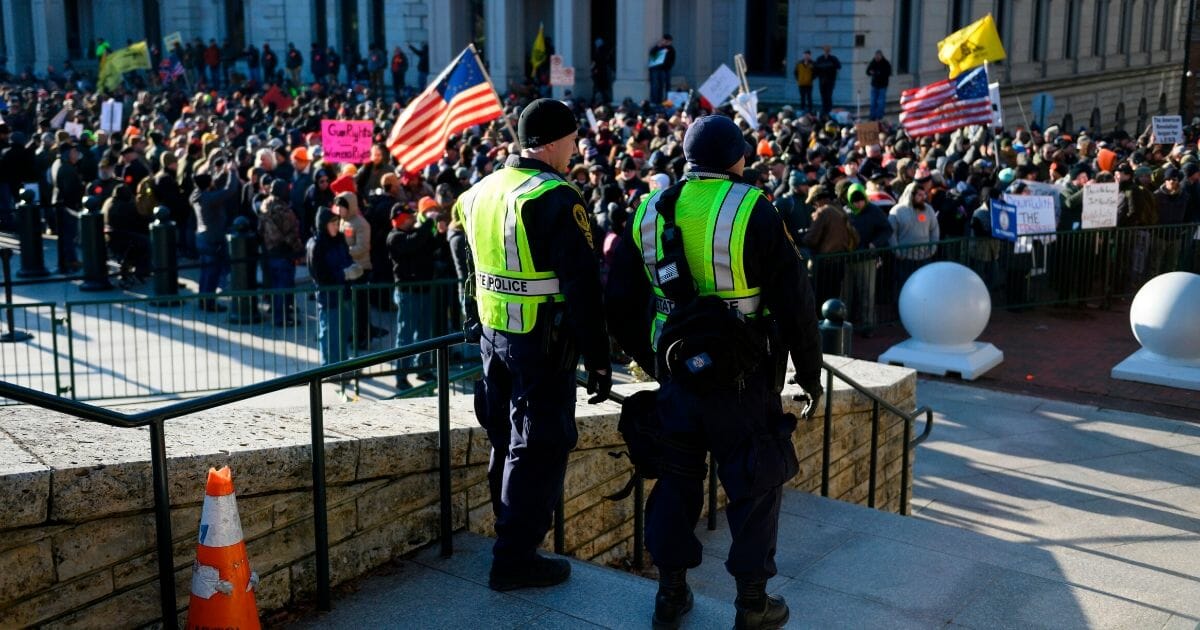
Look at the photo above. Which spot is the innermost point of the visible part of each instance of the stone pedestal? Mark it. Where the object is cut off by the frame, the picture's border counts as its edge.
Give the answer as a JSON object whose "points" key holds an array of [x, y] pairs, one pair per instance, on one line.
{"points": [[969, 360], [1165, 318]]}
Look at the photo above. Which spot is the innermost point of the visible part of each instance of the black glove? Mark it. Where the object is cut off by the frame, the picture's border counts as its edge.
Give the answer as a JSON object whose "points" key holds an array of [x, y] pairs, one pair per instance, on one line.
{"points": [[599, 383], [473, 330], [812, 398]]}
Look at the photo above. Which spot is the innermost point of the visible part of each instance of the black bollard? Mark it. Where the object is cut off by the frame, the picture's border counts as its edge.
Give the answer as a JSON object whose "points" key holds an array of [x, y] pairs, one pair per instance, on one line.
{"points": [[33, 258], [95, 250], [243, 256], [13, 335], [162, 257], [836, 333]]}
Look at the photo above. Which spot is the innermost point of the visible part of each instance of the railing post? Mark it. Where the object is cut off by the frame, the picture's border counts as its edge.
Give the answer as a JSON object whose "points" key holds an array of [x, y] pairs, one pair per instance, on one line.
{"points": [[825, 439], [874, 453], [33, 257], [13, 335], [162, 525], [712, 492], [320, 514], [443, 381], [163, 262], [639, 523], [243, 254], [95, 254]]}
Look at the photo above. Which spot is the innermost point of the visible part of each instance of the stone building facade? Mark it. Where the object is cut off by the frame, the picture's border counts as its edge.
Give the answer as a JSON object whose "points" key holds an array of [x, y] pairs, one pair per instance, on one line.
{"points": [[1115, 61]]}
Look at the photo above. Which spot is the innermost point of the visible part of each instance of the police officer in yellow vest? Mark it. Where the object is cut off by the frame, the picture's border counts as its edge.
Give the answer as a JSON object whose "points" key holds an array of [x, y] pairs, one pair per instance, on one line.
{"points": [[539, 298], [736, 248]]}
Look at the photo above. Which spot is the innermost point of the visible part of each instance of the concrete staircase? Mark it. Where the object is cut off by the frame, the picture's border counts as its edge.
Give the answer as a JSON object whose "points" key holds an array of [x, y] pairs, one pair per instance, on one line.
{"points": [[840, 566]]}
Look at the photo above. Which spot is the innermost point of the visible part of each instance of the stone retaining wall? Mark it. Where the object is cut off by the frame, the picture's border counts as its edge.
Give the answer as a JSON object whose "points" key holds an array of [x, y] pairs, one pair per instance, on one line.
{"points": [[77, 527]]}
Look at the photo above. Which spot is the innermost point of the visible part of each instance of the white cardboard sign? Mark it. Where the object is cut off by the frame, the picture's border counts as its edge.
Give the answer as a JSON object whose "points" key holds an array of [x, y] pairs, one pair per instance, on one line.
{"points": [[1100, 205]]}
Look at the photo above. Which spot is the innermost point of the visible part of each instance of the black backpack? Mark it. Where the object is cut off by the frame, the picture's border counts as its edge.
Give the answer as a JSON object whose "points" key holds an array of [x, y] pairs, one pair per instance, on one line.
{"points": [[705, 342]]}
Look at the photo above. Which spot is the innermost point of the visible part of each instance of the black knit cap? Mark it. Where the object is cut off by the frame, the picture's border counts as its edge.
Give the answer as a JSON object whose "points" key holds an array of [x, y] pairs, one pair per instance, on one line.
{"points": [[544, 121], [714, 143]]}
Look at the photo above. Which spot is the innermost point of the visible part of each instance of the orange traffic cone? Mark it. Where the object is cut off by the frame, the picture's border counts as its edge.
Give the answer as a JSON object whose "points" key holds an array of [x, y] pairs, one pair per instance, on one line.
{"points": [[222, 583]]}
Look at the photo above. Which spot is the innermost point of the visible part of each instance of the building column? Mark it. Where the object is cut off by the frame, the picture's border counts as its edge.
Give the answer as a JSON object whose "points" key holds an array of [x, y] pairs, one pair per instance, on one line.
{"points": [[571, 41], [505, 50], [49, 34], [639, 25], [703, 62], [443, 44]]}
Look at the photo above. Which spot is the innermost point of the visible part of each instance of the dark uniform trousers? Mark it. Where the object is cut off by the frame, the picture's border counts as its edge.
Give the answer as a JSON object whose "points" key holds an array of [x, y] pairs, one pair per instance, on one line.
{"points": [[526, 403], [750, 438]]}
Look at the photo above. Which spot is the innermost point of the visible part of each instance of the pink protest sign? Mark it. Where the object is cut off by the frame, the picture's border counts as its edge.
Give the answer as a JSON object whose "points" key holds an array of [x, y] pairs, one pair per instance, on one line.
{"points": [[347, 141]]}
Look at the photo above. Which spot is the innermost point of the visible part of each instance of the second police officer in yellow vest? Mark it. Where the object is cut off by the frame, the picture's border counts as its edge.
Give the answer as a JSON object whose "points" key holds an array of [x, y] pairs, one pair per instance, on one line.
{"points": [[537, 288], [735, 247]]}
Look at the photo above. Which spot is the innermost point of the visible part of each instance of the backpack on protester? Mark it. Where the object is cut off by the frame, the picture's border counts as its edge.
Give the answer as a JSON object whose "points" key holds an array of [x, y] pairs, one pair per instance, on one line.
{"points": [[145, 199]]}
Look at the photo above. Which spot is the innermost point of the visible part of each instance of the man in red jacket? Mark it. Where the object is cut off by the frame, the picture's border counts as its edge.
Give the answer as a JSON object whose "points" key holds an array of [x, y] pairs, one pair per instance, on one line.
{"points": [[212, 59]]}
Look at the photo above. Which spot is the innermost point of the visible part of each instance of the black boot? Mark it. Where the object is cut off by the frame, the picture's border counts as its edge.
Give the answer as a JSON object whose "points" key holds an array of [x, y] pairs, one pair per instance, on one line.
{"points": [[756, 610], [538, 571], [674, 598]]}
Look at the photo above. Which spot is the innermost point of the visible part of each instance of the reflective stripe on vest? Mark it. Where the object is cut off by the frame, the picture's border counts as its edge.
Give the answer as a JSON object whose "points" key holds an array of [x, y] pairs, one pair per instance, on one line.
{"points": [[719, 210], [509, 288]]}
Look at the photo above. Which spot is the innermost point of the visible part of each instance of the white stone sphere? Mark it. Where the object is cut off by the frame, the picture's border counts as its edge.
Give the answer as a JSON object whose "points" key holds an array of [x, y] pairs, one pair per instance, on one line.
{"points": [[945, 304], [1165, 315]]}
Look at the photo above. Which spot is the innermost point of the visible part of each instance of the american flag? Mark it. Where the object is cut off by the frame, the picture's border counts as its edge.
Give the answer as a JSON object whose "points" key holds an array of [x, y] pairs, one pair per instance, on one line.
{"points": [[169, 69], [461, 96], [947, 105]]}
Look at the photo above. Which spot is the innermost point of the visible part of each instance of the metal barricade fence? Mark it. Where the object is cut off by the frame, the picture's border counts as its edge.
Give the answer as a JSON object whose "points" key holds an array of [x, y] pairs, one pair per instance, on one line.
{"points": [[1072, 268], [31, 361]]}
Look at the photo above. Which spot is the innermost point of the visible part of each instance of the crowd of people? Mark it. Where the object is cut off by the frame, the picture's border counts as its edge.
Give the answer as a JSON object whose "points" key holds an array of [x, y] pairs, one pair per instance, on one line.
{"points": [[866, 216]]}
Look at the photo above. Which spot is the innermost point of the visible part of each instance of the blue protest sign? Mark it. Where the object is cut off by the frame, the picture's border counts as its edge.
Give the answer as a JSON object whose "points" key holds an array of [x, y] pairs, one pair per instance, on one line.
{"points": [[1004, 220]]}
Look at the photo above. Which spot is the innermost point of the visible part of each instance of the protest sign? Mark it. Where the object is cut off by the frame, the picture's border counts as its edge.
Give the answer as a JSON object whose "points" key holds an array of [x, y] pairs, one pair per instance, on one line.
{"points": [[997, 111], [719, 85], [171, 41], [1100, 205], [1004, 220], [678, 99], [561, 74], [1046, 190], [868, 133], [746, 104], [658, 58], [1034, 213], [347, 140], [73, 128], [1168, 129], [593, 124], [110, 116]]}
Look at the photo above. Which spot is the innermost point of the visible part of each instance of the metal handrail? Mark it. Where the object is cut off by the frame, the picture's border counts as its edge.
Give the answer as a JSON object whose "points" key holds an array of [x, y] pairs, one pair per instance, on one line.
{"points": [[155, 419]]}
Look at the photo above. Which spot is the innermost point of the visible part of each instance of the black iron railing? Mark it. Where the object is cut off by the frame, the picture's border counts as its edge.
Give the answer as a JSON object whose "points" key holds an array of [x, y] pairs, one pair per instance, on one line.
{"points": [[155, 419]]}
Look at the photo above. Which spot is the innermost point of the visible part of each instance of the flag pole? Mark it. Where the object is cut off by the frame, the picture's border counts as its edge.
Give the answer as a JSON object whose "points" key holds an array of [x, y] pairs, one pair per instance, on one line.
{"points": [[503, 115]]}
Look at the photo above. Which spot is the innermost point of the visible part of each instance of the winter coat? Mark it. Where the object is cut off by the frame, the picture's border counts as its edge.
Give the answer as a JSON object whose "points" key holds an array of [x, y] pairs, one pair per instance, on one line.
{"points": [[356, 230]]}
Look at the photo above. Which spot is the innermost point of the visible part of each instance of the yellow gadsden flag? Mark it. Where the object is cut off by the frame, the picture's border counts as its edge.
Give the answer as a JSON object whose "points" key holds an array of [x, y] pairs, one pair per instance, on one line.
{"points": [[971, 46], [114, 64], [538, 56]]}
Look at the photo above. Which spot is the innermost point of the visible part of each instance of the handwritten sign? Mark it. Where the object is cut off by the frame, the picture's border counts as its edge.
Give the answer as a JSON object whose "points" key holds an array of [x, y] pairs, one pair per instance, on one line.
{"points": [[347, 140], [1034, 213], [73, 128], [1100, 205], [1004, 220], [719, 86], [1047, 190], [868, 133], [561, 74], [1168, 130], [110, 116]]}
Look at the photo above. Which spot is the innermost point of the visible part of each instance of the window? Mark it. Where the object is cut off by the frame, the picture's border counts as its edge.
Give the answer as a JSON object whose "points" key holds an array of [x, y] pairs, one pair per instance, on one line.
{"points": [[1002, 13], [960, 12], [1100, 29], [1068, 124], [1039, 30], [348, 14], [319, 22], [1143, 115], [1147, 25], [766, 47], [378, 33], [1120, 117], [1094, 123], [1125, 26], [1071, 36], [1162, 104], [904, 37], [74, 46], [1168, 14]]}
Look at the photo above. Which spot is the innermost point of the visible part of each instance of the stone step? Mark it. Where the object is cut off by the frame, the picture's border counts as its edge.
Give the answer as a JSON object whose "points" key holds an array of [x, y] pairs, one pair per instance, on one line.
{"points": [[840, 566]]}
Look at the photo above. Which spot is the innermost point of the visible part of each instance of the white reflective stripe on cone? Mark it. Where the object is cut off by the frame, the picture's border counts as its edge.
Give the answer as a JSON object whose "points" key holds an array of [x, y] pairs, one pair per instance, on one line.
{"points": [[220, 525]]}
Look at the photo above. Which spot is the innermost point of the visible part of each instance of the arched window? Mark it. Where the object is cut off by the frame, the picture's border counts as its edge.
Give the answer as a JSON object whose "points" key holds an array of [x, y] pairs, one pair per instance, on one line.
{"points": [[1168, 15], [1143, 115], [1162, 104], [1094, 123], [1120, 117], [1068, 124]]}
